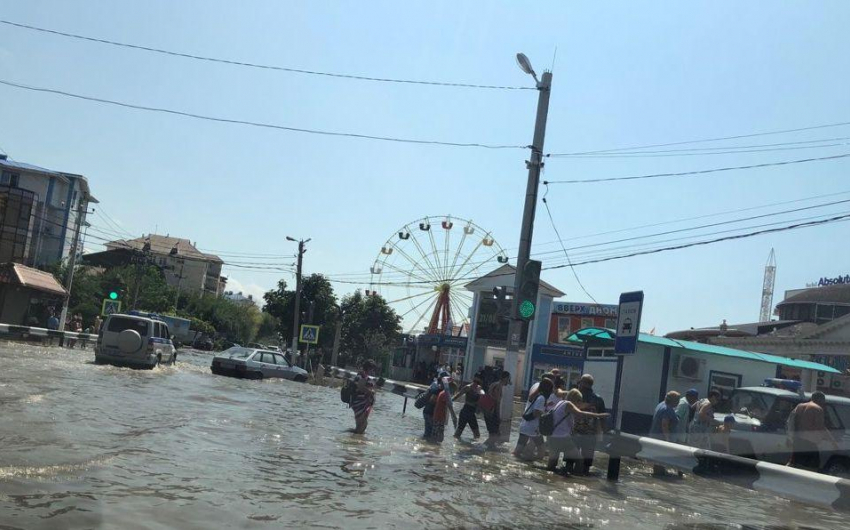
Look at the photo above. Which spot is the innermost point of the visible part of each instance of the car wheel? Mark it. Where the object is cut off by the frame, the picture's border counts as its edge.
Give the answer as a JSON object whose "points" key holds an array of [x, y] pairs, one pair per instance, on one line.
{"points": [[300, 379], [838, 467], [255, 375]]}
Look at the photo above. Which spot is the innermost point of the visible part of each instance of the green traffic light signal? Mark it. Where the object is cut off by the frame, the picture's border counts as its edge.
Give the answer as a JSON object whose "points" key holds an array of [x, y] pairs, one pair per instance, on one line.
{"points": [[113, 295], [526, 309]]}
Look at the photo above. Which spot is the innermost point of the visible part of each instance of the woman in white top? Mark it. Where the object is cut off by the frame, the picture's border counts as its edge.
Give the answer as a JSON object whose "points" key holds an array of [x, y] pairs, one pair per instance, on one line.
{"points": [[528, 428], [561, 441]]}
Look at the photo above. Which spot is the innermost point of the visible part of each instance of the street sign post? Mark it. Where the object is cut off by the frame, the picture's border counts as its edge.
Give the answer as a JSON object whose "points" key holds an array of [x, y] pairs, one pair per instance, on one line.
{"points": [[110, 307], [628, 323], [309, 334]]}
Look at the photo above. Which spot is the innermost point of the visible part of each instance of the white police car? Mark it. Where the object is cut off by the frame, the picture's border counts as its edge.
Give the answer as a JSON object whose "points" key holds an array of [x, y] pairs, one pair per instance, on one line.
{"points": [[761, 414], [135, 341]]}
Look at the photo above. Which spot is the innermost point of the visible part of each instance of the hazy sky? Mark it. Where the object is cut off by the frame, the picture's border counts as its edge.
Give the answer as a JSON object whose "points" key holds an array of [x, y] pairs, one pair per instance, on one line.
{"points": [[626, 73]]}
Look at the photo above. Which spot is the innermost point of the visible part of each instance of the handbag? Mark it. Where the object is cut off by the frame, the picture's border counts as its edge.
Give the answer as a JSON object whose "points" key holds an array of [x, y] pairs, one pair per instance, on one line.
{"points": [[421, 400], [528, 415]]}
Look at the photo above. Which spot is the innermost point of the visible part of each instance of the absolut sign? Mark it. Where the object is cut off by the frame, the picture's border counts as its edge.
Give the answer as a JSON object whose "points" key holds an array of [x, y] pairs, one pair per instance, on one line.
{"points": [[839, 280]]}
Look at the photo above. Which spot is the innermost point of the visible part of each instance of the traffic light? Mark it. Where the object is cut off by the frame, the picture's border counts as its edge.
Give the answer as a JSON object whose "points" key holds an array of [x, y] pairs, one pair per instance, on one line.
{"points": [[525, 306], [113, 295], [503, 308]]}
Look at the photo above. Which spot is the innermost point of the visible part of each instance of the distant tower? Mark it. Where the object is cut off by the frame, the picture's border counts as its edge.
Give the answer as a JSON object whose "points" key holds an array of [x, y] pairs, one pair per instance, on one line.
{"points": [[767, 288]]}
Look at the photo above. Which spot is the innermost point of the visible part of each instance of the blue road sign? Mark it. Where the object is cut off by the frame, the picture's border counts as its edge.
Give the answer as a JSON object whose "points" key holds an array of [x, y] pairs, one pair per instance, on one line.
{"points": [[309, 334], [628, 323]]}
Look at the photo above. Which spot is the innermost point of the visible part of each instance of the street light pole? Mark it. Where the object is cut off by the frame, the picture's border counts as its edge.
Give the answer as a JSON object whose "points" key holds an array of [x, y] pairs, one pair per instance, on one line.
{"points": [[72, 260], [297, 308], [534, 164]]}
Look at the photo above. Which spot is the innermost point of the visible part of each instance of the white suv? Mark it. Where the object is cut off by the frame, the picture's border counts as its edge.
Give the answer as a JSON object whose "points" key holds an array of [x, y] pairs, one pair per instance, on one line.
{"points": [[130, 340]]}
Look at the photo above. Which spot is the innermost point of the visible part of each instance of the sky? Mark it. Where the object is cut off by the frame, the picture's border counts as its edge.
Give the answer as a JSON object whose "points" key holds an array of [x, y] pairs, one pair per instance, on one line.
{"points": [[625, 74]]}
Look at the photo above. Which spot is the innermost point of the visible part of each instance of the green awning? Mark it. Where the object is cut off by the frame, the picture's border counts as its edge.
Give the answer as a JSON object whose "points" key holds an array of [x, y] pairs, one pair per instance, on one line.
{"points": [[605, 334]]}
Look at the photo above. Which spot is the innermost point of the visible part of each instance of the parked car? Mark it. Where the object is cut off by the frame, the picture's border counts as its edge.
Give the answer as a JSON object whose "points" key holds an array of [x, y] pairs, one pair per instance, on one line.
{"points": [[203, 343], [255, 363], [135, 341], [761, 415]]}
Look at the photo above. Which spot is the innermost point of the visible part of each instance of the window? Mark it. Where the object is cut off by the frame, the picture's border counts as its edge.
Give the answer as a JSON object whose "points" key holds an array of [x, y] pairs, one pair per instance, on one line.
{"points": [[843, 413], [600, 353], [586, 322], [280, 360], [611, 323], [833, 423], [119, 324], [239, 353], [10, 179], [564, 329]]}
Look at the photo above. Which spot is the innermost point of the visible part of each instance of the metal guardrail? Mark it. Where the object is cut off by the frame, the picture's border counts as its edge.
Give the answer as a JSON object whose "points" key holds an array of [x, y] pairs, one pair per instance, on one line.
{"points": [[29, 331], [784, 481], [401, 388]]}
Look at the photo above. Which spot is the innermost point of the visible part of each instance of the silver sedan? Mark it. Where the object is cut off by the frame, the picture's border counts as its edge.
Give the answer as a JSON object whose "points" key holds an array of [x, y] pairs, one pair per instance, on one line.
{"points": [[253, 363]]}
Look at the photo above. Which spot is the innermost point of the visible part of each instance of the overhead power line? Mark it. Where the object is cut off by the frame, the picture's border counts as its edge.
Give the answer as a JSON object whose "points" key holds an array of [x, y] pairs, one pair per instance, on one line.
{"points": [[699, 172], [705, 140], [256, 124], [796, 226], [261, 66], [728, 151]]}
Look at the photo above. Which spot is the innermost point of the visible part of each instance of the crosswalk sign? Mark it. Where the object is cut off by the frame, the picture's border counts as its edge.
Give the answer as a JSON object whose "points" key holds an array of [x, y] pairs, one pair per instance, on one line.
{"points": [[309, 334], [110, 307]]}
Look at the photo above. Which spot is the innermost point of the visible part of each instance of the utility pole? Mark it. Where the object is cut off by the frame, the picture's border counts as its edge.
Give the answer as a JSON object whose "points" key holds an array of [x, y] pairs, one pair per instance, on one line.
{"points": [[534, 164], [72, 260], [337, 336], [297, 309]]}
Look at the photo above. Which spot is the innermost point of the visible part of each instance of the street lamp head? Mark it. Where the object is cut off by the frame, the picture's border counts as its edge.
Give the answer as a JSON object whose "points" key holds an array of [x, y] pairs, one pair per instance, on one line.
{"points": [[525, 65], [290, 238]]}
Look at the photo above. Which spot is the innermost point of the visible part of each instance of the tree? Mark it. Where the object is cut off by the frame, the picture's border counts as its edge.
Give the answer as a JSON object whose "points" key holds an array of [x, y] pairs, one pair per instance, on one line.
{"points": [[369, 327], [268, 330], [280, 303]]}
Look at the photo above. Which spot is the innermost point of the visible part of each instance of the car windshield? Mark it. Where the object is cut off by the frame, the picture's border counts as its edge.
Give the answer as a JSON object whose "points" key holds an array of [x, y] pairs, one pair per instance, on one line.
{"points": [[756, 404], [238, 353], [119, 324]]}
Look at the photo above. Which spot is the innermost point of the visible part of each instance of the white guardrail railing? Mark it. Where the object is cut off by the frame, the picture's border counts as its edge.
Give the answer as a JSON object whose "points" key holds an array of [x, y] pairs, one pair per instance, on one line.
{"points": [[28, 331]]}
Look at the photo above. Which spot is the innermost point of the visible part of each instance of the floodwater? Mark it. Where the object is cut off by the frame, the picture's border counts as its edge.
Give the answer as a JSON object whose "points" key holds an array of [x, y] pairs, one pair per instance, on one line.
{"points": [[90, 446]]}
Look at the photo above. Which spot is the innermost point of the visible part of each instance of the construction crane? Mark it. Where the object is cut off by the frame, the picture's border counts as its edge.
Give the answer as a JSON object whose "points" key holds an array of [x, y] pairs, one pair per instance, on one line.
{"points": [[767, 288]]}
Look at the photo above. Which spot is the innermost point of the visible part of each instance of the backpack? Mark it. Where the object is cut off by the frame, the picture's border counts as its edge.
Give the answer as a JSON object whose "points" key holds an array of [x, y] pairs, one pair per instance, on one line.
{"points": [[347, 392], [422, 399], [547, 423]]}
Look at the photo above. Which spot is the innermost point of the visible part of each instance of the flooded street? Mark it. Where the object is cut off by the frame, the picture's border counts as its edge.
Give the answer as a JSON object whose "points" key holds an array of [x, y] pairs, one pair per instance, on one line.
{"points": [[89, 446]]}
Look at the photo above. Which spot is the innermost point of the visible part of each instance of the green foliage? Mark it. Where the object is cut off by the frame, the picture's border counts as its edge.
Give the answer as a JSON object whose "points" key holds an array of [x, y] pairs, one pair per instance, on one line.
{"points": [[370, 327], [268, 330], [235, 322], [315, 288], [91, 286]]}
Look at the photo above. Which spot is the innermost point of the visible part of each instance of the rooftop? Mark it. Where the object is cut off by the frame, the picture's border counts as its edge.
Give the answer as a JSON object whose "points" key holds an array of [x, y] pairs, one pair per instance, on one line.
{"points": [[836, 294], [697, 347], [23, 166], [164, 245], [504, 276], [17, 274]]}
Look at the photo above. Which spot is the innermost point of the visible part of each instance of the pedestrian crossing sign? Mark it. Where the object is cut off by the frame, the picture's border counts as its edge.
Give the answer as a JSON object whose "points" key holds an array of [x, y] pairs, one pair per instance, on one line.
{"points": [[110, 307], [309, 334]]}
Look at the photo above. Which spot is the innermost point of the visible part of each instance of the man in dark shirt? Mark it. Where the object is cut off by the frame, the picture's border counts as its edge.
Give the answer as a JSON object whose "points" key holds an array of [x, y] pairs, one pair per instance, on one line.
{"points": [[586, 430]]}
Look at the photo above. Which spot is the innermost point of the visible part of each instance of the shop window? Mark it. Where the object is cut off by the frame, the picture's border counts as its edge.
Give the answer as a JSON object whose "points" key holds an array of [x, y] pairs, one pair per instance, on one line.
{"points": [[564, 329], [600, 353], [586, 322], [611, 323], [841, 310]]}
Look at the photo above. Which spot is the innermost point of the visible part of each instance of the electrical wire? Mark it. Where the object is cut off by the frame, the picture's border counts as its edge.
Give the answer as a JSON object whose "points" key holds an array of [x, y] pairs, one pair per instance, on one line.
{"points": [[751, 146], [704, 140], [257, 124], [564, 248], [698, 172], [641, 154], [261, 66]]}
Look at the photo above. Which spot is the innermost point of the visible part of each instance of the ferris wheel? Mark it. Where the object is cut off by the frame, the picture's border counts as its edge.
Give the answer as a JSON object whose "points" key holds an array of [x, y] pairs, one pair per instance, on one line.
{"points": [[422, 267]]}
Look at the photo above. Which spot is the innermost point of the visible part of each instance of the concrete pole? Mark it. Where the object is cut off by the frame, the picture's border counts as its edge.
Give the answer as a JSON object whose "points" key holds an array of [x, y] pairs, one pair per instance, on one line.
{"points": [[337, 337], [297, 302], [72, 260], [535, 164]]}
